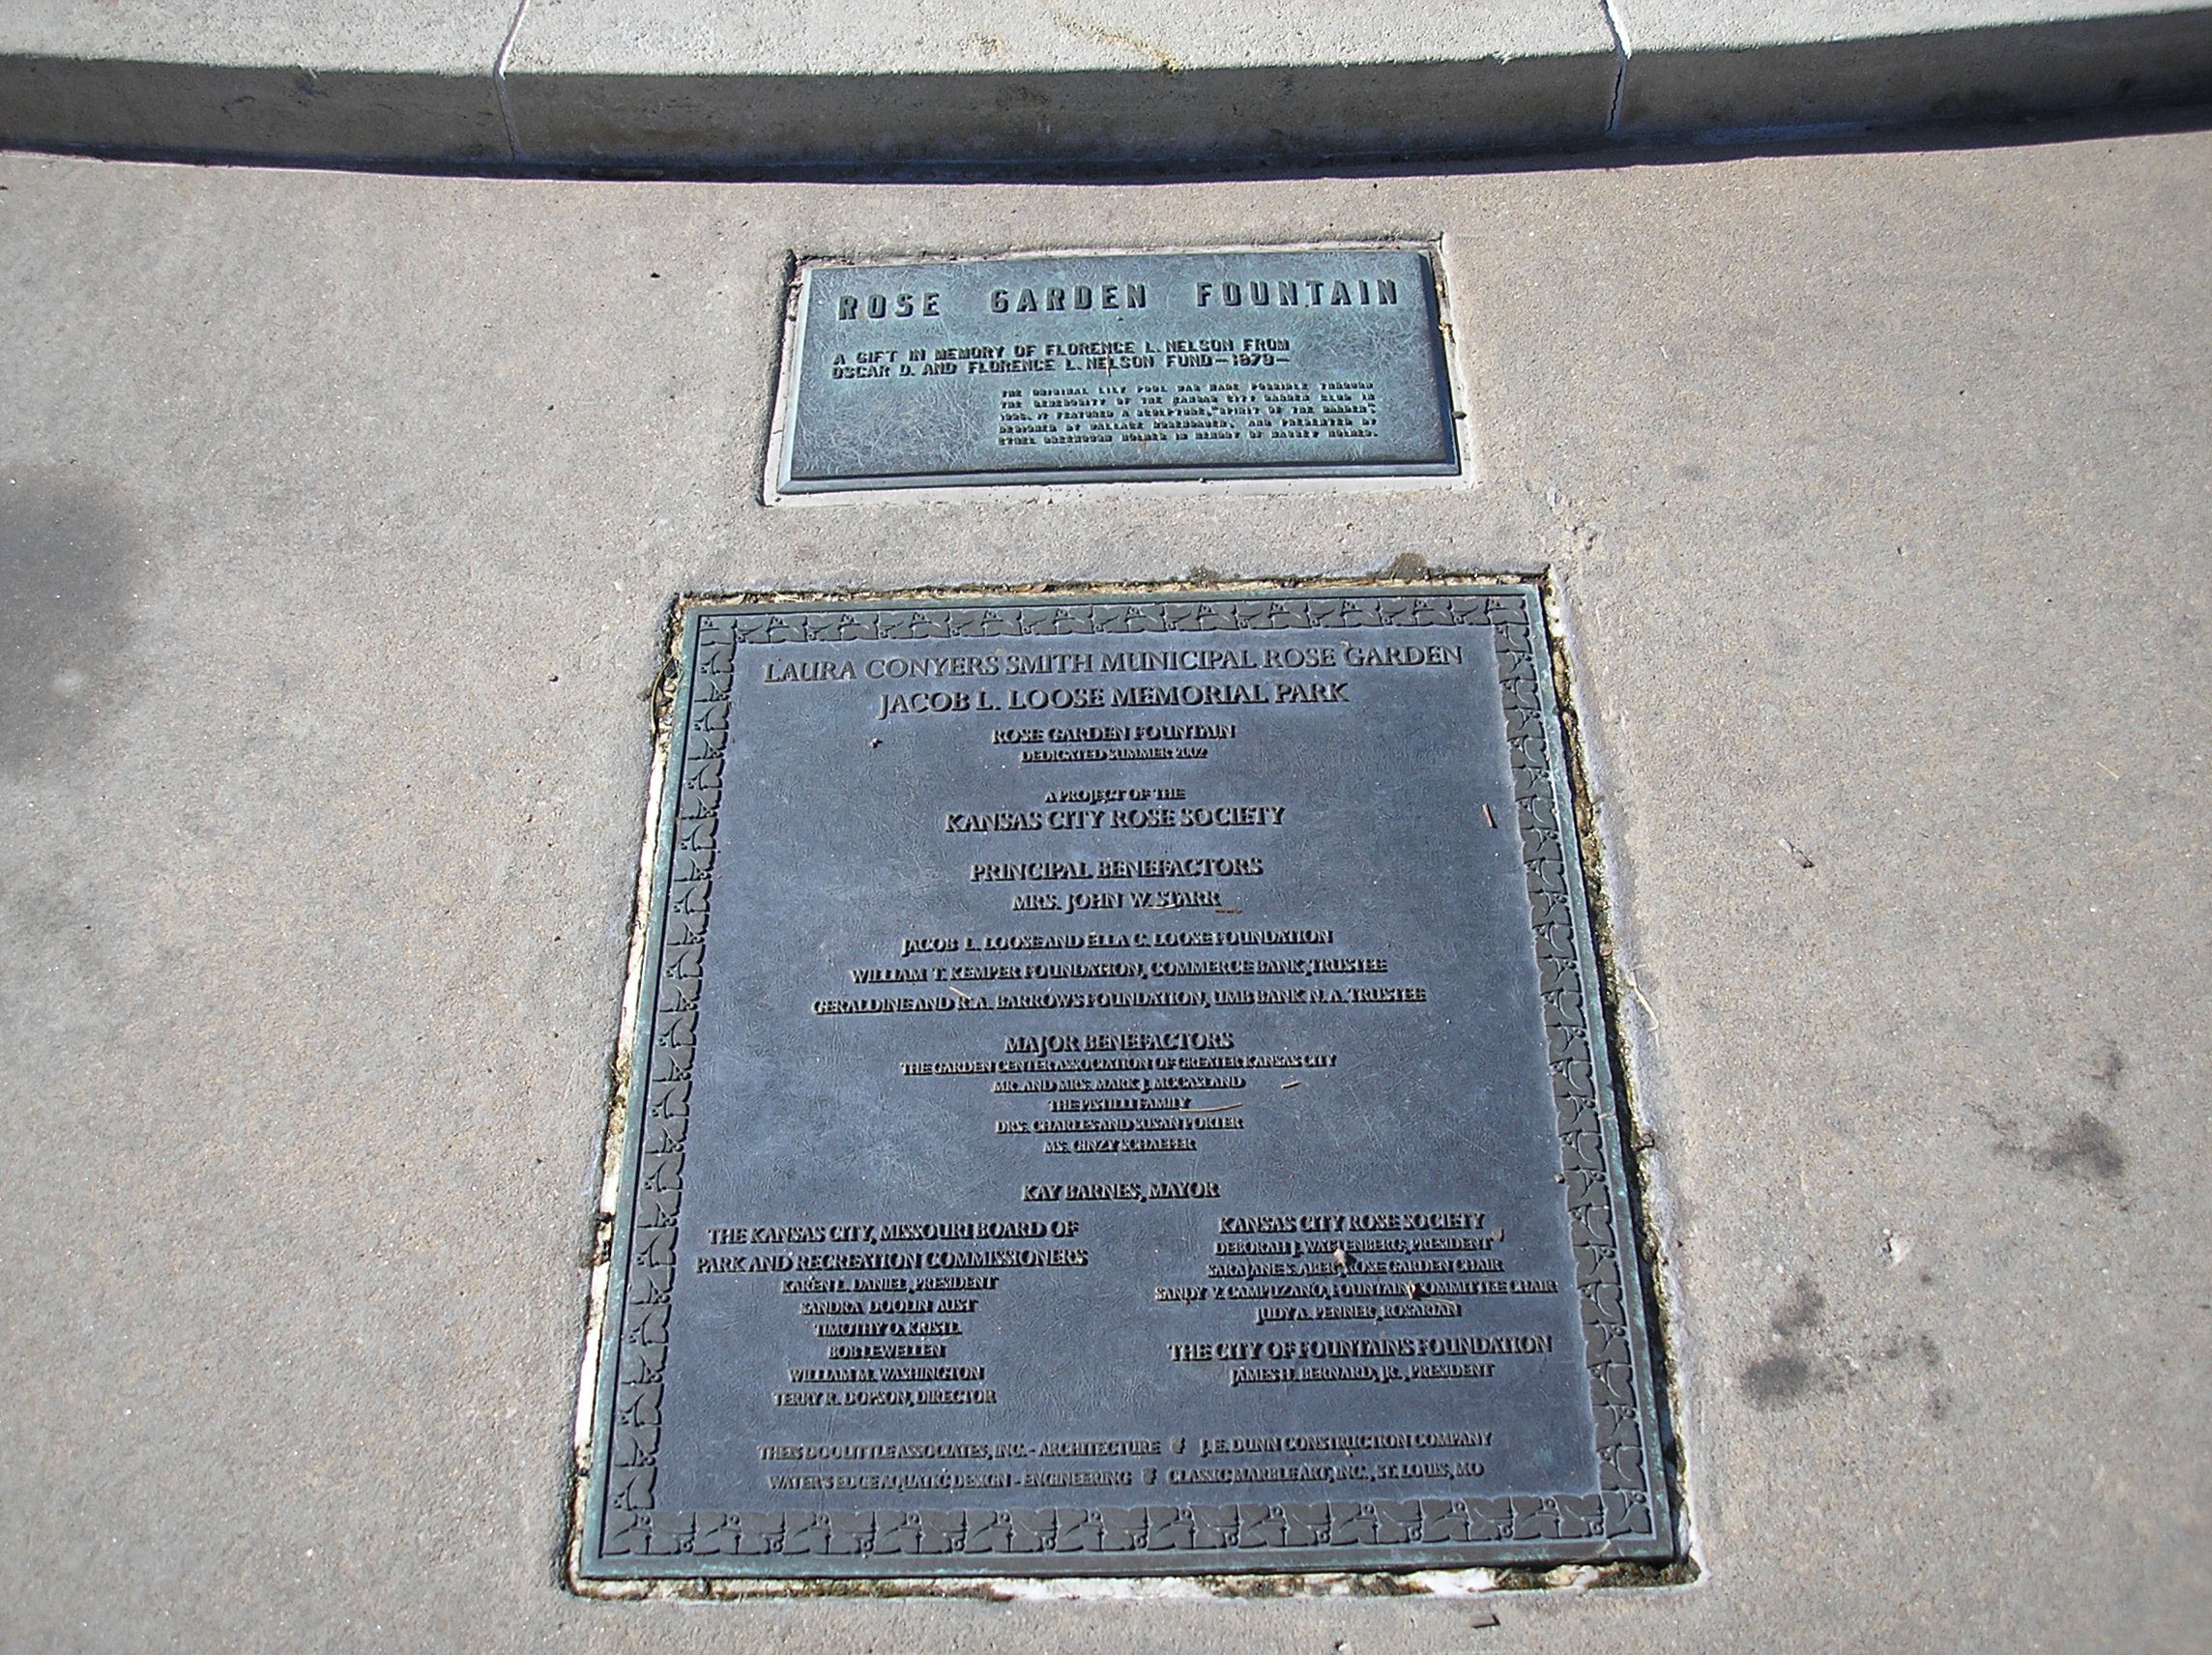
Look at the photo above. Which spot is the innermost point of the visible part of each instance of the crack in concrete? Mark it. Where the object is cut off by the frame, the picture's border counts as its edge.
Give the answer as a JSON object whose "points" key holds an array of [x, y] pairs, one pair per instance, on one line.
{"points": [[1166, 62]]}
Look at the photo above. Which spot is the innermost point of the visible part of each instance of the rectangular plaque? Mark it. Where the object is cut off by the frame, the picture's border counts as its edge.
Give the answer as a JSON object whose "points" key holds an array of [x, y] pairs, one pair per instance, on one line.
{"points": [[1118, 1086], [1117, 367]]}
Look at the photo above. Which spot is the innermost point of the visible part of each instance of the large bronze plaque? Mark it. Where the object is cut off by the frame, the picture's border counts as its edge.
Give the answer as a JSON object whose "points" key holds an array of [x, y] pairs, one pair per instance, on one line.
{"points": [[1118, 1086], [1104, 367]]}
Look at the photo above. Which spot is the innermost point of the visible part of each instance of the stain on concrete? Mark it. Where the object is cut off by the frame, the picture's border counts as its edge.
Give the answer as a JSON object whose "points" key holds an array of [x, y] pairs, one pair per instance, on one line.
{"points": [[1802, 1309], [2085, 1148], [1778, 1382], [70, 565], [2112, 1064], [1787, 1376], [46, 929], [1802, 1367], [1918, 1346]]}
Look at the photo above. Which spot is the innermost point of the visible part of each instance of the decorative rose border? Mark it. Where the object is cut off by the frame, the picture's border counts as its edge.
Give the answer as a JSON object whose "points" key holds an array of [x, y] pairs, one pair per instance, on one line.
{"points": [[629, 1537]]}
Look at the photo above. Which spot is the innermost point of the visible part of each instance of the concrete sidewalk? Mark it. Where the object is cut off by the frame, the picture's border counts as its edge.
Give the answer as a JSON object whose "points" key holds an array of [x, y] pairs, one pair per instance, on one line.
{"points": [[683, 84], [340, 515]]}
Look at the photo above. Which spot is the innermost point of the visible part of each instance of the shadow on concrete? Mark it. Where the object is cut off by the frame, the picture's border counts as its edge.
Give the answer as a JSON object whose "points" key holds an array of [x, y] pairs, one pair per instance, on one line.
{"points": [[70, 561]]}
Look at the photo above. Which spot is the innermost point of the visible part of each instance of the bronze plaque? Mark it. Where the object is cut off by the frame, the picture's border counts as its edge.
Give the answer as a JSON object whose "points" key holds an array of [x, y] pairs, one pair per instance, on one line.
{"points": [[1117, 367], [1118, 1086]]}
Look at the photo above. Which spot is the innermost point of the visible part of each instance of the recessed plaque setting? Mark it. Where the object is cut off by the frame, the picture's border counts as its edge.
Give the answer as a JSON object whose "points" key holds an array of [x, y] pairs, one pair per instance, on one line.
{"points": [[1119, 368], [1118, 1086]]}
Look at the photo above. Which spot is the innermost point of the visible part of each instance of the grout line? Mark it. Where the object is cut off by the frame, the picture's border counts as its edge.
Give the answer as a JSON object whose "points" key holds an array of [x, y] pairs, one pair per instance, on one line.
{"points": [[499, 79], [1621, 52]]}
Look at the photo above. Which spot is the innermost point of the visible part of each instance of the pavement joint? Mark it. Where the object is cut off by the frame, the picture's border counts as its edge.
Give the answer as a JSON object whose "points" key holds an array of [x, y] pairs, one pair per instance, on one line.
{"points": [[1621, 52], [499, 79]]}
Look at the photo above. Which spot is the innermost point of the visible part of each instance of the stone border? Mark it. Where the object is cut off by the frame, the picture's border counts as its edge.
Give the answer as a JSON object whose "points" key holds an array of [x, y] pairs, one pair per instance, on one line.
{"points": [[535, 99], [628, 1536]]}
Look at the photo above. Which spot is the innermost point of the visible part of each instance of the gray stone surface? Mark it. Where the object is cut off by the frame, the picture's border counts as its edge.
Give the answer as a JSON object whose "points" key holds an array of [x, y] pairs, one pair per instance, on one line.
{"points": [[447, 39], [868, 83], [1703, 66], [259, 76], [340, 516], [971, 81]]}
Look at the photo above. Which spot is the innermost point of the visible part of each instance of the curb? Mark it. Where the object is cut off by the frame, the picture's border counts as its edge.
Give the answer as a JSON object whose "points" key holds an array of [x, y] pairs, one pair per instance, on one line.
{"points": [[541, 103]]}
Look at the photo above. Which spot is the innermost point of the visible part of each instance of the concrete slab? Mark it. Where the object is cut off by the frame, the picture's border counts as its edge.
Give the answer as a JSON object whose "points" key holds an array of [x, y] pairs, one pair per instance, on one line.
{"points": [[861, 83], [257, 78], [339, 516], [1714, 66], [1126, 79]]}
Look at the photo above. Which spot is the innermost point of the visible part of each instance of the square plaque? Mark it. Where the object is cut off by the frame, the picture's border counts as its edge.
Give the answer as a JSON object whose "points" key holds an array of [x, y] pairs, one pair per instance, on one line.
{"points": [[1115, 367], [1118, 1086]]}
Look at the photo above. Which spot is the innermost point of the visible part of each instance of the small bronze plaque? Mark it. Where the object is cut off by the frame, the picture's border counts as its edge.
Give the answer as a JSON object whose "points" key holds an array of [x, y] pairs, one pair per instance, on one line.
{"points": [[1117, 367], [1119, 1087]]}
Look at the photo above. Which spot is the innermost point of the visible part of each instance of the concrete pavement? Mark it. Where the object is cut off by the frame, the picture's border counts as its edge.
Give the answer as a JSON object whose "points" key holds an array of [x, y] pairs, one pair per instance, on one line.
{"points": [[339, 521]]}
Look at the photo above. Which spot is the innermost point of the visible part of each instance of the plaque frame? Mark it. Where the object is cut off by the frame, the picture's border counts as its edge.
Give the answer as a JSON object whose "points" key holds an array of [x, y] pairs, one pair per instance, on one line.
{"points": [[619, 1542], [1464, 472]]}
